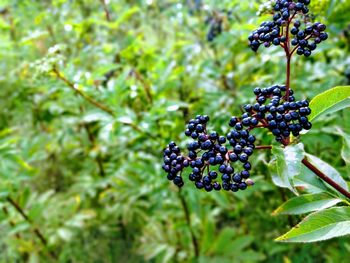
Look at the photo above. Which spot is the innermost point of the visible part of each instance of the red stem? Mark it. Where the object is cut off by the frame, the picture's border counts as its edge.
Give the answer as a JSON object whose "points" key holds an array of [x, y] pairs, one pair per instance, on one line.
{"points": [[326, 178], [288, 77], [263, 147], [288, 56]]}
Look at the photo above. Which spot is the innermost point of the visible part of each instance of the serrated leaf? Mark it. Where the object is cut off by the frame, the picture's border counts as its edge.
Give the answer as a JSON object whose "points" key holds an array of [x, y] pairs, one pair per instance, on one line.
{"points": [[322, 225], [307, 203], [330, 171], [330, 101], [287, 165]]}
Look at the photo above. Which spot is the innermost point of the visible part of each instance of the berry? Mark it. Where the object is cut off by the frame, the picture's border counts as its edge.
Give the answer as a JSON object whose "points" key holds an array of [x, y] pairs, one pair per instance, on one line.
{"points": [[217, 186]]}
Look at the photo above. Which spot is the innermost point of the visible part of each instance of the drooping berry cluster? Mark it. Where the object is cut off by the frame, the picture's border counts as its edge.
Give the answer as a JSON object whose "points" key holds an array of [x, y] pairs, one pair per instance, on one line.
{"points": [[208, 156], [282, 116], [277, 32], [302, 38]]}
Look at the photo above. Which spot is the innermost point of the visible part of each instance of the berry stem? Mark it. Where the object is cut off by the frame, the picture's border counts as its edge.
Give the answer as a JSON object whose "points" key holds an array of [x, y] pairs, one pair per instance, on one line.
{"points": [[263, 147], [325, 178], [288, 75], [288, 56]]}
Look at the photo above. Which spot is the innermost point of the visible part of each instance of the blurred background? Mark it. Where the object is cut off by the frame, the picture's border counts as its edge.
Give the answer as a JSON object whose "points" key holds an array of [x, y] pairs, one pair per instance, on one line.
{"points": [[92, 91]]}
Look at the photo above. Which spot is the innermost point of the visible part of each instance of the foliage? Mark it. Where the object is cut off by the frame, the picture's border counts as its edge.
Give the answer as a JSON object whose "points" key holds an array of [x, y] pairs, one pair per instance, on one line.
{"points": [[92, 90]]}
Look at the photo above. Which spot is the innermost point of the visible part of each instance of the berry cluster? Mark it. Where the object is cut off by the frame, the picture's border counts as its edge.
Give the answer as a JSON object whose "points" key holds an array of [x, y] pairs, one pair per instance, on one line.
{"points": [[208, 156], [281, 115], [286, 8], [268, 33], [302, 37], [276, 32], [174, 163], [275, 109]]}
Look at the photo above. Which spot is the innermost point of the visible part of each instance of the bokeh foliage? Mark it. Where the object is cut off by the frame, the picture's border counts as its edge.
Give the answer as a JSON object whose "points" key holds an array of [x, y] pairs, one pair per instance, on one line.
{"points": [[90, 180]]}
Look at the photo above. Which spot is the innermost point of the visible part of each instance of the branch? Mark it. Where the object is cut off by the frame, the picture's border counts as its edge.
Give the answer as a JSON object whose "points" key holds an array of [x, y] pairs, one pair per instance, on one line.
{"points": [[97, 104], [107, 13], [37, 231], [82, 94], [12, 224], [325, 178]]}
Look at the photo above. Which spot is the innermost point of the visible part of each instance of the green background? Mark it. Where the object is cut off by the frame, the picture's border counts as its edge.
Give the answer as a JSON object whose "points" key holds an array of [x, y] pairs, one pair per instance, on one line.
{"points": [[91, 182]]}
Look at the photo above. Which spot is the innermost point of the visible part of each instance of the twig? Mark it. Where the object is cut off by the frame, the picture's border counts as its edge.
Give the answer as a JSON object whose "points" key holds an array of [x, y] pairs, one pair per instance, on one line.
{"points": [[12, 224], [105, 8], [82, 94], [97, 104], [36, 230]]}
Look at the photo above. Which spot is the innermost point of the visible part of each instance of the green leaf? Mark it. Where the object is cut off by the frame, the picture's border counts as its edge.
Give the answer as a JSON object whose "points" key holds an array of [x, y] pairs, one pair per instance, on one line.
{"points": [[322, 225], [287, 165], [307, 203], [309, 181], [328, 170], [330, 101], [221, 244]]}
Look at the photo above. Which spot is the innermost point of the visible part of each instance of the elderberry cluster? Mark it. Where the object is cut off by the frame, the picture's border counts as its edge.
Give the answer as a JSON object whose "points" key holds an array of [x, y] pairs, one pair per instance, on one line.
{"points": [[268, 33], [208, 157], [174, 163], [303, 38], [282, 115], [276, 32]]}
